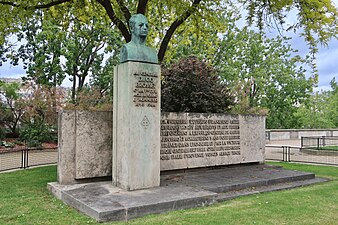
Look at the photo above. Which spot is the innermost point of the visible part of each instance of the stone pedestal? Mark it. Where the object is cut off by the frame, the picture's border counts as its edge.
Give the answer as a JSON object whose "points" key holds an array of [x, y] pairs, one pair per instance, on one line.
{"points": [[136, 126]]}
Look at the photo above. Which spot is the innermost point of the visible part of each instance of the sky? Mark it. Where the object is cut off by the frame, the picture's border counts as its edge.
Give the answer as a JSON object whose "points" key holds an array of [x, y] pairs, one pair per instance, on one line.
{"points": [[327, 59]]}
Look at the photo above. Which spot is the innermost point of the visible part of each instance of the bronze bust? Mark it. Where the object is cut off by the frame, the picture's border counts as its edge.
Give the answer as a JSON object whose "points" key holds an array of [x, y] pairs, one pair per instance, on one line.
{"points": [[136, 50]]}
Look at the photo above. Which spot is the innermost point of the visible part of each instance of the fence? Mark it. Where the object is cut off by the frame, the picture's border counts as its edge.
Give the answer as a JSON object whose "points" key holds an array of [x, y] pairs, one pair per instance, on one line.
{"points": [[24, 158], [319, 142], [297, 154]]}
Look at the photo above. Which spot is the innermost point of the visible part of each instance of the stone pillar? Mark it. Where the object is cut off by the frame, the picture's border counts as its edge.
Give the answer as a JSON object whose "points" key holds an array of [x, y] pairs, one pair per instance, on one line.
{"points": [[136, 125]]}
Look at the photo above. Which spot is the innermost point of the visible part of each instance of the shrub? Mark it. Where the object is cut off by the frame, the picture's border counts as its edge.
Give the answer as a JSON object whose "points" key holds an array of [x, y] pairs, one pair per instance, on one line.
{"points": [[35, 133], [89, 98], [192, 86]]}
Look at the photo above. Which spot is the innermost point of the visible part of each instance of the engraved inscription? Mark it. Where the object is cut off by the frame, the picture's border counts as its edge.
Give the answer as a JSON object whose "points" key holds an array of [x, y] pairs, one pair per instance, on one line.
{"points": [[199, 138], [145, 92]]}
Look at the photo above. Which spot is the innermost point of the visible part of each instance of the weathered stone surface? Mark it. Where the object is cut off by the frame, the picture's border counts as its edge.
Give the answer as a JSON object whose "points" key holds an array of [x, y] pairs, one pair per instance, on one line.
{"points": [[252, 138], [136, 126], [84, 145], [66, 147], [104, 202], [190, 140], [92, 148], [87, 140]]}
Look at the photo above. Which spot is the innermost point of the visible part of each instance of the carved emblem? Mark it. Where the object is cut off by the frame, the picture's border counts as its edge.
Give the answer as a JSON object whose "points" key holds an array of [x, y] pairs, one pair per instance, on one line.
{"points": [[145, 122]]}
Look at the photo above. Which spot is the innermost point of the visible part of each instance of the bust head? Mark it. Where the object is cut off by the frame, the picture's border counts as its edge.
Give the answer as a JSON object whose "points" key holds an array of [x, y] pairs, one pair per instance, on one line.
{"points": [[136, 50], [139, 28]]}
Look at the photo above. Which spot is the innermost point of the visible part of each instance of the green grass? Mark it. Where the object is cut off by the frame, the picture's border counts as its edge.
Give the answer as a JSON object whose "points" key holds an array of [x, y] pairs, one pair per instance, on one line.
{"points": [[332, 148], [24, 199]]}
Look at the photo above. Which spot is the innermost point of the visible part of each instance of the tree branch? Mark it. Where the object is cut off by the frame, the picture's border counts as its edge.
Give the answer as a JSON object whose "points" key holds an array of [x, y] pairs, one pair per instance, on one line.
{"points": [[41, 6], [120, 25], [124, 9], [173, 27], [9, 3], [142, 6]]}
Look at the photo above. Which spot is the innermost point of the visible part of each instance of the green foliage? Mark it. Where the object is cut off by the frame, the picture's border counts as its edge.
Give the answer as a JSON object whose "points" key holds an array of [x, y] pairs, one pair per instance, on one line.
{"points": [[313, 114], [36, 112], [7, 144], [321, 111], [54, 49], [36, 132], [170, 19], [102, 77], [317, 19], [11, 106], [264, 73], [192, 86]]}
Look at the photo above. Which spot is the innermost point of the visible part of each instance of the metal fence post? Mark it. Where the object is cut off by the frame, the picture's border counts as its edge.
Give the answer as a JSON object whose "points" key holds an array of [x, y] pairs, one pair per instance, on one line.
{"points": [[23, 155], [27, 150], [318, 143], [284, 154]]}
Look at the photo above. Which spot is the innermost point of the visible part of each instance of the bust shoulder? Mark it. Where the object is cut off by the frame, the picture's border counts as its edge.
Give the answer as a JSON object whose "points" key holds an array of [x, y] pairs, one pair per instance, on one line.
{"points": [[139, 53]]}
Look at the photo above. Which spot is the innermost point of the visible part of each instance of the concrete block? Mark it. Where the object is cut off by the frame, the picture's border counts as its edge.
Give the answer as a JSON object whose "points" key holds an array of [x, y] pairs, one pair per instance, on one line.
{"points": [[93, 144], [192, 140], [136, 126], [66, 147]]}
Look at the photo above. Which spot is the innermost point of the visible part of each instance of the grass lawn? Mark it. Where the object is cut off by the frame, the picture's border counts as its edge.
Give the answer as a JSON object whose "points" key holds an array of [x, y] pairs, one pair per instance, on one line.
{"points": [[24, 199], [332, 148]]}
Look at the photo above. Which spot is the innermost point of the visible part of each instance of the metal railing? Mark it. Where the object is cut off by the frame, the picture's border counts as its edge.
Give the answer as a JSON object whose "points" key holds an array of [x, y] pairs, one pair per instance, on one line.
{"points": [[27, 157], [319, 142], [295, 154]]}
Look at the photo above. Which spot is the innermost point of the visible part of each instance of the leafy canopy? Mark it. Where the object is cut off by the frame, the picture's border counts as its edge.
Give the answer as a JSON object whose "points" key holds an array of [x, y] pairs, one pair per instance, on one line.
{"points": [[175, 17]]}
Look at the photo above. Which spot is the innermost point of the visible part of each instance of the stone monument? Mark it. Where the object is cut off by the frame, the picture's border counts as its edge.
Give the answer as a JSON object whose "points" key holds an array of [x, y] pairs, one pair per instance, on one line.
{"points": [[136, 113]]}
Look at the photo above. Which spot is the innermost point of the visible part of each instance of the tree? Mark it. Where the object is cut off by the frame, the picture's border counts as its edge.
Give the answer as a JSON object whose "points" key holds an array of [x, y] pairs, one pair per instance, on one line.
{"points": [[192, 86], [314, 114], [11, 107], [53, 51], [264, 72], [317, 18], [102, 76]]}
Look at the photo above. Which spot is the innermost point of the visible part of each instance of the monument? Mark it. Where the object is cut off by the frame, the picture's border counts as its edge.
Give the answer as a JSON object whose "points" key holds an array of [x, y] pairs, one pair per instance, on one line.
{"points": [[136, 113], [146, 142]]}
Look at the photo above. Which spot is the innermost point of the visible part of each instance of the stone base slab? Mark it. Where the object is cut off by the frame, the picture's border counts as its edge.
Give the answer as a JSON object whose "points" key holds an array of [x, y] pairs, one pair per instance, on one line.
{"points": [[182, 190]]}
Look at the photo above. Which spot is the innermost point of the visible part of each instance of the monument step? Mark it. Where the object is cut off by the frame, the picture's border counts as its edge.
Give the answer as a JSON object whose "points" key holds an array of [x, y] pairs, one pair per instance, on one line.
{"points": [[104, 202], [226, 179]]}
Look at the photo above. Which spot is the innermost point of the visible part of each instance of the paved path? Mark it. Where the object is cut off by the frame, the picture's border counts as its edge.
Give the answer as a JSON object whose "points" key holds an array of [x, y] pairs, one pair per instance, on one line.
{"points": [[292, 143]]}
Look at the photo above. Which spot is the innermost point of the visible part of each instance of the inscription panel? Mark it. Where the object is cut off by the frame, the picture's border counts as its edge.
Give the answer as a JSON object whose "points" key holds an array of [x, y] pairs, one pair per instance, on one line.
{"points": [[145, 93], [196, 141]]}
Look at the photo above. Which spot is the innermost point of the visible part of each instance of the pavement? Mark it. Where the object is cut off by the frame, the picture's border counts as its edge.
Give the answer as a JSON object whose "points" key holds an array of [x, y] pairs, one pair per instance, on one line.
{"points": [[289, 142], [180, 190]]}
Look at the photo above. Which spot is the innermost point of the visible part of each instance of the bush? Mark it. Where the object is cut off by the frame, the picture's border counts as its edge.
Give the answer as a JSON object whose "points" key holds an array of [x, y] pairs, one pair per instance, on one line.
{"points": [[192, 86], [35, 133], [89, 98]]}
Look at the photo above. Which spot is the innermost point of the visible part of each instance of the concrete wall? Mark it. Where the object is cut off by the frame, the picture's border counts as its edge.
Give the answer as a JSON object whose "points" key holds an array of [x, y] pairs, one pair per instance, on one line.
{"points": [[284, 134], [189, 140], [85, 145]]}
